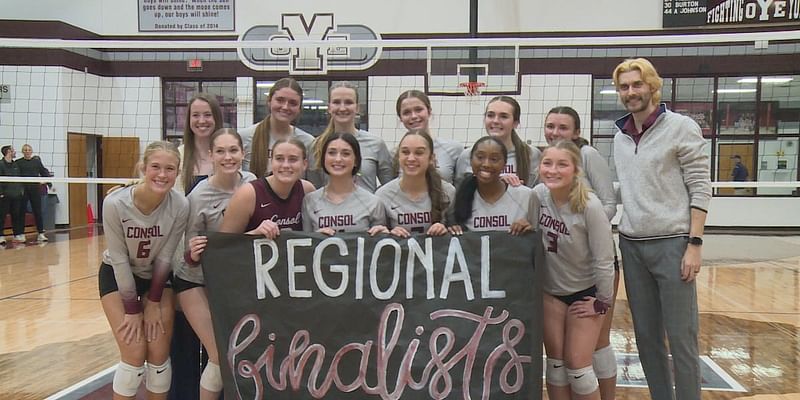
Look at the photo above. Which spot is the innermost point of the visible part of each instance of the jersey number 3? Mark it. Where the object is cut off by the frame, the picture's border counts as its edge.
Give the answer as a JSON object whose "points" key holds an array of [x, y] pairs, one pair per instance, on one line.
{"points": [[552, 242], [144, 249]]}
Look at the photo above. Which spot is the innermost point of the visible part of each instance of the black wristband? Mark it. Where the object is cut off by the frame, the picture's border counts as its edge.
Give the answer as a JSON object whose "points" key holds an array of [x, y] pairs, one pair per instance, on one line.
{"points": [[695, 240]]}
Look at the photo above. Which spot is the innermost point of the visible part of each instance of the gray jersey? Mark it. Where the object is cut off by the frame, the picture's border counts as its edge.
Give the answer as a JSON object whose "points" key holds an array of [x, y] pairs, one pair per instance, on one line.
{"points": [[598, 176], [579, 252], [360, 211], [247, 141], [139, 244], [414, 215], [464, 169], [207, 206], [447, 153], [376, 163], [514, 205]]}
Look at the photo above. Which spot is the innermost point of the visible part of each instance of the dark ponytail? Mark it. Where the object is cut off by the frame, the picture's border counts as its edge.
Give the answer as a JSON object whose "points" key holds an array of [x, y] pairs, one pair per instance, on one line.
{"points": [[465, 195]]}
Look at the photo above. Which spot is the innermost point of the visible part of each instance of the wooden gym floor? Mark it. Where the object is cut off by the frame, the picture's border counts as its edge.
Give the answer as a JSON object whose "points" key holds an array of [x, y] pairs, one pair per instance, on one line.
{"points": [[53, 333]]}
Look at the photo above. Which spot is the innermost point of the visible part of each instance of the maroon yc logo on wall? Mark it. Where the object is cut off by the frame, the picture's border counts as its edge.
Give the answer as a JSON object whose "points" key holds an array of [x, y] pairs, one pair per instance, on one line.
{"points": [[308, 60]]}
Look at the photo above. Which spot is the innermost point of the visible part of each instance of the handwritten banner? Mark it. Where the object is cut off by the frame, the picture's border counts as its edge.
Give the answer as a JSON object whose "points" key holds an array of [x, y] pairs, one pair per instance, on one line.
{"points": [[354, 317]]}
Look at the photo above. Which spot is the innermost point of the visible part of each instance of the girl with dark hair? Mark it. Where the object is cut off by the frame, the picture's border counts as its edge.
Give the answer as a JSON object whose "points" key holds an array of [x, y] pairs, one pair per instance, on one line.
{"points": [[563, 123], [501, 121], [418, 200], [143, 224], [269, 205], [414, 110], [341, 205], [202, 120], [579, 274], [484, 202], [284, 102], [207, 204], [376, 162]]}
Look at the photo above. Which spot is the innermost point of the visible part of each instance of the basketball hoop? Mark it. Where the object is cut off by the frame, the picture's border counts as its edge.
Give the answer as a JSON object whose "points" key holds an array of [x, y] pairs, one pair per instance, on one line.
{"points": [[472, 88]]}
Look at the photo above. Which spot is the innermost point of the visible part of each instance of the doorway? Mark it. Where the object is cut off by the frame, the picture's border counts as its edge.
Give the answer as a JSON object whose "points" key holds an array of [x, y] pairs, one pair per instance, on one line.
{"points": [[95, 156]]}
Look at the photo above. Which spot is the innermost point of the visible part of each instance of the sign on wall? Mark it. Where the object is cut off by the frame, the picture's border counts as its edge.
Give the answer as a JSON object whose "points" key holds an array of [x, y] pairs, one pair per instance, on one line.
{"points": [[357, 317], [309, 60], [186, 15], [678, 13], [5, 93]]}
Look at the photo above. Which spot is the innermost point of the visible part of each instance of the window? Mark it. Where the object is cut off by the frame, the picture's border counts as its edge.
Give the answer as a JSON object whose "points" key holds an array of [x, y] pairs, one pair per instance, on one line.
{"points": [[694, 97], [736, 99], [176, 98], [754, 121], [778, 132]]}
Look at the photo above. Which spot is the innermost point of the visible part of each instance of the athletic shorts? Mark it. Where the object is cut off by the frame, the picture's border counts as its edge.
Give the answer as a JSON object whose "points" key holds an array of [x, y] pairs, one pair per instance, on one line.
{"points": [[179, 285], [571, 298], [108, 283]]}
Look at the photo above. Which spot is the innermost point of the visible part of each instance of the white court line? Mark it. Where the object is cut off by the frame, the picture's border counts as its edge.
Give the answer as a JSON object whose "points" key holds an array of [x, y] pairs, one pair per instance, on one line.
{"points": [[96, 377], [735, 386]]}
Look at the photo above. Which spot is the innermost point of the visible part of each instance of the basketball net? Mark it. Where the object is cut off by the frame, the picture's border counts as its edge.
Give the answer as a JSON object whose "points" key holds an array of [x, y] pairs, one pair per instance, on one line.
{"points": [[472, 89]]}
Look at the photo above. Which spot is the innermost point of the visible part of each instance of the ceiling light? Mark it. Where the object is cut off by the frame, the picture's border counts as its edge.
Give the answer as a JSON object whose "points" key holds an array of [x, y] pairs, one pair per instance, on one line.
{"points": [[608, 91], [776, 79], [736, 91], [767, 79]]}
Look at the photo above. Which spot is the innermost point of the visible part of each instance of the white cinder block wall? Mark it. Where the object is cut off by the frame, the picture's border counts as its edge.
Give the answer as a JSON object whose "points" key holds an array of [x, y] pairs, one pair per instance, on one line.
{"points": [[461, 118], [48, 102]]}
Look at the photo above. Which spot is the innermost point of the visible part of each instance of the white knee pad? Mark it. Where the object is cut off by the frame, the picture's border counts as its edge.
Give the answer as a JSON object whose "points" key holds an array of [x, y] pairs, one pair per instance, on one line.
{"points": [[583, 381], [159, 377], [211, 379], [605, 363], [127, 379], [556, 372]]}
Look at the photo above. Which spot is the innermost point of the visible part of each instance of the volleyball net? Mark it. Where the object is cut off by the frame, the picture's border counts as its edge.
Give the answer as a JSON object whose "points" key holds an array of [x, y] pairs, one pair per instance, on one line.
{"points": [[88, 107]]}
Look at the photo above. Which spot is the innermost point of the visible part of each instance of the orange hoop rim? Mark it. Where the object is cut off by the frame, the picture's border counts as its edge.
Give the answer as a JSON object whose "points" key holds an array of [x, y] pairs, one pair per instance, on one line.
{"points": [[472, 88]]}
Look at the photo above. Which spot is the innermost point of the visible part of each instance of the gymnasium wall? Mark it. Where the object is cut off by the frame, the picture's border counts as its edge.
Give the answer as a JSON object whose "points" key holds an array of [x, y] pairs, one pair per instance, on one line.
{"points": [[51, 101], [117, 17], [461, 118]]}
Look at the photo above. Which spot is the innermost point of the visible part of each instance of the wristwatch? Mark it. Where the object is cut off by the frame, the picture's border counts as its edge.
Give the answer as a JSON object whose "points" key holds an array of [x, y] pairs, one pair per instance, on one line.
{"points": [[695, 240]]}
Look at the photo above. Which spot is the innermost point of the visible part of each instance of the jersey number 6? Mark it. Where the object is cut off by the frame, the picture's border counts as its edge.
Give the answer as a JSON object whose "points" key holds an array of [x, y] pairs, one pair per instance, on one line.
{"points": [[144, 249]]}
